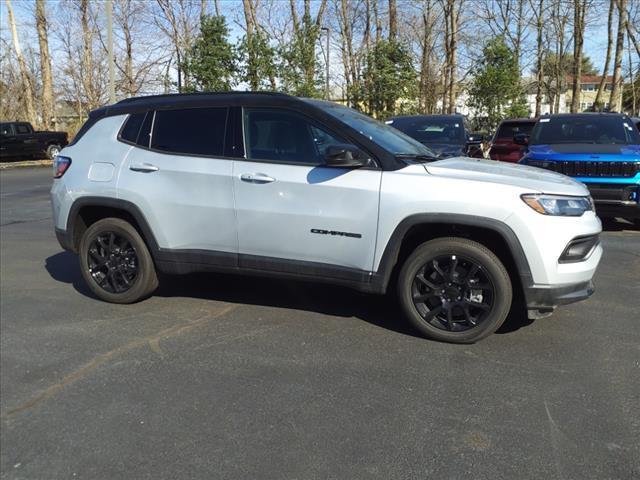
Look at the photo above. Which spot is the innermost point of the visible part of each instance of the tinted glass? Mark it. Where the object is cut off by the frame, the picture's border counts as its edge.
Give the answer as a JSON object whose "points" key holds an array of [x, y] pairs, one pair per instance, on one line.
{"points": [[5, 129], [132, 127], [22, 129], [508, 129], [435, 130], [144, 135], [585, 129], [199, 131], [285, 136], [392, 140]]}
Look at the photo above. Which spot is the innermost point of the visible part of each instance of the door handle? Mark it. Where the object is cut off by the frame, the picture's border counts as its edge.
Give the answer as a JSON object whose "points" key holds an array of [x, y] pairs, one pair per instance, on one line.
{"points": [[143, 167], [256, 178]]}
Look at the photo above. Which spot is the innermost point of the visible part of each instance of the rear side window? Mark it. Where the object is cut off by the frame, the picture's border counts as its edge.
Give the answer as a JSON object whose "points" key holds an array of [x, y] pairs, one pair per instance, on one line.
{"points": [[194, 131], [508, 130], [22, 128]]}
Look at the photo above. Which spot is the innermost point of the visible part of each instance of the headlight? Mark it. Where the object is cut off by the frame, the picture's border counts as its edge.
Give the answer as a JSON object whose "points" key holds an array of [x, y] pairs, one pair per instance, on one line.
{"points": [[558, 205]]}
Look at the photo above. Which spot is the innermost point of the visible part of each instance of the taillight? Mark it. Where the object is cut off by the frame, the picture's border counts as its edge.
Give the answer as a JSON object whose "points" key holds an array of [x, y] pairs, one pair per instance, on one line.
{"points": [[60, 166]]}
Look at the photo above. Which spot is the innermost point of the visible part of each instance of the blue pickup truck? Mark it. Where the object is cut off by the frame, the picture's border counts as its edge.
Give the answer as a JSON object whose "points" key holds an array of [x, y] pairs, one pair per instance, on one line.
{"points": [[602, 150]]}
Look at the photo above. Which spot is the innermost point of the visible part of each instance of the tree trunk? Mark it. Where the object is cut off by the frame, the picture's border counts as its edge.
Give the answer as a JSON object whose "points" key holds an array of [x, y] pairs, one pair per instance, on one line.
{"points": [[48, 106], [378, 21], [615, 100], [393, 20], [539, 58], [579, 8], [597, 103], [251, 60], [452, 53], [29, 93]]}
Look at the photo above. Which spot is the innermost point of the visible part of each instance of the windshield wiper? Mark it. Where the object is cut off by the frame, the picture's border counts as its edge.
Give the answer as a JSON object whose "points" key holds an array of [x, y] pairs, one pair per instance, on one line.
{"points": [[418, 157]]}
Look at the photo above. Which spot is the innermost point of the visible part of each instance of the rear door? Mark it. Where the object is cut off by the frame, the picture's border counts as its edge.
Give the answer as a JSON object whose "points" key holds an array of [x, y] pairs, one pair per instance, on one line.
{"points": [[294, 213], [179, 177]]}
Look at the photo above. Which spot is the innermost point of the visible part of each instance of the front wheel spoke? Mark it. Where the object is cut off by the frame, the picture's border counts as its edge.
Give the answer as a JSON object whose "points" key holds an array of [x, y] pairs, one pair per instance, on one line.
{"points": [[472, 272], [467, 315], [433, 312], [450, 317], [422, 279], [481, 306], [439, 270], [423, 297], [479, 286]]}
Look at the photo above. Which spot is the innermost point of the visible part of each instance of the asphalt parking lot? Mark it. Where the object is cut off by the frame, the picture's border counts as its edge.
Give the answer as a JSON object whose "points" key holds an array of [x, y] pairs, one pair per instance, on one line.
{"points": [[230, 377]]}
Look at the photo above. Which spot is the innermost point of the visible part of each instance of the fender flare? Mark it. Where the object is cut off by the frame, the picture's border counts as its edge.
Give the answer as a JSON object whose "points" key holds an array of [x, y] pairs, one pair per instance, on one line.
{"points": [[389, 258], [124, 205]]}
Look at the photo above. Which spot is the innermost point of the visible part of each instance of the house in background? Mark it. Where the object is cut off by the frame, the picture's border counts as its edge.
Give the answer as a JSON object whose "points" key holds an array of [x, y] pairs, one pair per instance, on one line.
{"points": [[558, 100]]}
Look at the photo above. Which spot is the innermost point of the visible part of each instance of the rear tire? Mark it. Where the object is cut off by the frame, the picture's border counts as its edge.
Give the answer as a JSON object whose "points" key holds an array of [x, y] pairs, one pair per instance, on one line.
{"points": [[116, 263], [53, 151], [455, 290]]}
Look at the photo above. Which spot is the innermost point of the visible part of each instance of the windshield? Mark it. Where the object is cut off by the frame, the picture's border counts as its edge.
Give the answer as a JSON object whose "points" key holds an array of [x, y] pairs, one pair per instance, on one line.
{"points": [[586, 129], [388, 138], [432, 130], [507, 130]]}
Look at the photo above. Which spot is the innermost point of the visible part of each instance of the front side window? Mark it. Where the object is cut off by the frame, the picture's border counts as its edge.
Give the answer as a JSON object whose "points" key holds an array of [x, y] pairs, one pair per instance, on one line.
{"points": [[191, 131], [280, 135], [22, 129]]}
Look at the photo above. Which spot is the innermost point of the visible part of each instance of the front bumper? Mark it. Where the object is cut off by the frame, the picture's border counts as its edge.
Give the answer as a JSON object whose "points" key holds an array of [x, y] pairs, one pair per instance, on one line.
{"points": [[549, 297], [613, 200], [64, 240]]}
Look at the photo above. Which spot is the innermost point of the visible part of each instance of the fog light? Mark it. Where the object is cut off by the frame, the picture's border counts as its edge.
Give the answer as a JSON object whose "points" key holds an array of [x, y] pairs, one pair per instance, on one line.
{"points": [[579, 249]]}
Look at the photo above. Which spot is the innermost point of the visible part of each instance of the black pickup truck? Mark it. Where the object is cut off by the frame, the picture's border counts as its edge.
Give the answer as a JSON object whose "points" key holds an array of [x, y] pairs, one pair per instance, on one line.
{"points": [[18, 139]]}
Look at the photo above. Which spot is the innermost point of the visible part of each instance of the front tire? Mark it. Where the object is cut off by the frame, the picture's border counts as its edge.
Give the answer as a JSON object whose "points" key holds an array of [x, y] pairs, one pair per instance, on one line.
{"points": [[116, 263], [455, 290]]}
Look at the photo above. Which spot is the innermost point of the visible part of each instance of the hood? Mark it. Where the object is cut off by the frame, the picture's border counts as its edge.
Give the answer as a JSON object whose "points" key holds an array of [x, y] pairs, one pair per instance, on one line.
{"points": [[445, 150], [531, 179], [571, 151]]}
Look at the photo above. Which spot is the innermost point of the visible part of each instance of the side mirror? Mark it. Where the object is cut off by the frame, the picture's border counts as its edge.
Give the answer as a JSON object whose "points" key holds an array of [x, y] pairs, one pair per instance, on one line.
{"points": [[345, 156], [475, 138], [521, 139]]}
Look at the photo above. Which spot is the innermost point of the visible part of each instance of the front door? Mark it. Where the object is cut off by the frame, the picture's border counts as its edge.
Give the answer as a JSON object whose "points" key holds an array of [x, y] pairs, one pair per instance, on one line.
{"points": [[293, 212]]}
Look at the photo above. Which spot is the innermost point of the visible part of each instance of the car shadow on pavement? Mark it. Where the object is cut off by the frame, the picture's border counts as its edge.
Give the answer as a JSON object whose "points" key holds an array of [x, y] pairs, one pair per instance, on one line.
{"points": [[618, 225], [380, 310]]}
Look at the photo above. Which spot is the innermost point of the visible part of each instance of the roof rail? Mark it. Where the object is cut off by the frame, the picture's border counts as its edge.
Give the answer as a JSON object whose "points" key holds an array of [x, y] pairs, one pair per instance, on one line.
{"points": [[194, 94]]}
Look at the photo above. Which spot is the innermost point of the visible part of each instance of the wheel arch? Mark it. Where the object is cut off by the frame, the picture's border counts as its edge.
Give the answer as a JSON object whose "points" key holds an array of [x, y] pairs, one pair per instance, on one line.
{"points": [[87, 210], [419, 228]]}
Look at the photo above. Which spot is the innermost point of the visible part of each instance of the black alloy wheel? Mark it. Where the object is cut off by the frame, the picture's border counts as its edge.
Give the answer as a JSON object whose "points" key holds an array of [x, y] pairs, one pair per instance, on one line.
{"points": [[453, 293], [455, 290], [113, 262]]}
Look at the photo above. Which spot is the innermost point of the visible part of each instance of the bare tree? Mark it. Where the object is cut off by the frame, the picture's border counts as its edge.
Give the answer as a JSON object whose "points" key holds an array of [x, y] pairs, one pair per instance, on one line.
{"points": [[47, 98], [393, 20], [579, 11], [539, 13], [615, 100], [27, 81], [605, 70]]}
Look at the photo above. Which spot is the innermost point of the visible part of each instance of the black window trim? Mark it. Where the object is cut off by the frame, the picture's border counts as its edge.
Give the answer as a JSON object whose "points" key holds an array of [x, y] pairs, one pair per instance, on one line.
{"points": [[375, 164], [180, 154]]}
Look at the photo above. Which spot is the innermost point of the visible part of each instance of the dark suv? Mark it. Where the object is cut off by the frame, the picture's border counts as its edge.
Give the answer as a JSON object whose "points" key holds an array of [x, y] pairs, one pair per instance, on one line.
{"points": [[601, 150], [445, 135]]}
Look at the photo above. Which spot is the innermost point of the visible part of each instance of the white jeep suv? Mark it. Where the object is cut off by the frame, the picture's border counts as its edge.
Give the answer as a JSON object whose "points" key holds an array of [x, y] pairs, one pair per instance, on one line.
{"points": [[269, 184]]}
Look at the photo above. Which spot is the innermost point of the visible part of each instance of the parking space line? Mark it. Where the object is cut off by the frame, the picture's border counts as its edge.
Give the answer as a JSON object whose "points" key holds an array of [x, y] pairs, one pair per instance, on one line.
{"points": [[103, 358]]}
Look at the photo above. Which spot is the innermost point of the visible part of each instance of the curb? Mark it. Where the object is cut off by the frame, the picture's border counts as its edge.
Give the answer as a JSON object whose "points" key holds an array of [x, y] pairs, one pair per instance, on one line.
{"points": [[27, 163]]}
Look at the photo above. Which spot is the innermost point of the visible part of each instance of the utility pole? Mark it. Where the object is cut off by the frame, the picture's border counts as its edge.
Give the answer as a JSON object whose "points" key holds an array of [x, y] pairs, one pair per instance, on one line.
{"points": [[112, 83], [327, 64]]}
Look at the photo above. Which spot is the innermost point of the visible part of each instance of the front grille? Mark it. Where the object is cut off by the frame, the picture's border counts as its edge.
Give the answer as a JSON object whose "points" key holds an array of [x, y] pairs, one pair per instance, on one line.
{"points": [[591, 169]]}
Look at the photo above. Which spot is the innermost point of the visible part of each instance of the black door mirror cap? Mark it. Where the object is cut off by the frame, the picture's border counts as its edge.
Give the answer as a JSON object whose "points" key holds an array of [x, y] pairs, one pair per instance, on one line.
{"points": [[345, 155]]}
